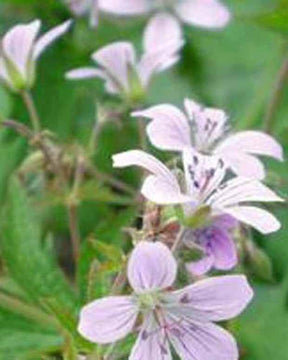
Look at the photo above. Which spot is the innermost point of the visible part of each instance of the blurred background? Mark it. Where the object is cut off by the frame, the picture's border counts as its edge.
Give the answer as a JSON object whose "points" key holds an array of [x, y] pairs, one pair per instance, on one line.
{"points": [[235, 69]]}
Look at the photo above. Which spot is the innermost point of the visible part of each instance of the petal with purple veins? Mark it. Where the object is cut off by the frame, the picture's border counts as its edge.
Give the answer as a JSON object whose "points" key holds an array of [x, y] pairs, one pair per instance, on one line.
{"points": [[151, 267], [108, 319], [217, 298]]}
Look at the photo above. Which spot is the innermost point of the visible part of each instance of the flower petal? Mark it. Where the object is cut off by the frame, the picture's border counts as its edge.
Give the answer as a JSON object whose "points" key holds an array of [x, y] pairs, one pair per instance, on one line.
{"points": [[152, 343], [218, 298], [203, 174], [162, 187], [202, 266], [224, 250], [169, 129], [225, 222], [203, 13], [162, 29], [244, 164], [49, 38], [4, 76], [116, 59], [18, 44], [209, 124], [241, 189], [127, 7], [151, 266], [252, 142], [163, 192], [107, 320], [203, 341], [85, 73], [258, 218], [78, 7]]}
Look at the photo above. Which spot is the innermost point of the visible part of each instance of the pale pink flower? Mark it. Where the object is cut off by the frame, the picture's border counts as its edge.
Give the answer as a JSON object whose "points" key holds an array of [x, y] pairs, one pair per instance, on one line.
{"points": [[210, 14], [215, 241], [20, 50], [85, 7], [182, 319], [205, 186], [122, 72], [206, 130]]}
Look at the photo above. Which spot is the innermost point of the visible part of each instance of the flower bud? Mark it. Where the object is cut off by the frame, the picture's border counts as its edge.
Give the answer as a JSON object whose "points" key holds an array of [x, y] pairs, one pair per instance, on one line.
{"points": [[20, 51]]}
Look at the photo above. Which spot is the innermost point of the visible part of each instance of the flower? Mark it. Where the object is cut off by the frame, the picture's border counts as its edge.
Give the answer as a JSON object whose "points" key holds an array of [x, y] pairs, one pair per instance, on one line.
{"points": [[205, 129], [85, 7], [206, 189], [182, 319], [215, 243], [210, 14], [122, 73], [20, 50]]}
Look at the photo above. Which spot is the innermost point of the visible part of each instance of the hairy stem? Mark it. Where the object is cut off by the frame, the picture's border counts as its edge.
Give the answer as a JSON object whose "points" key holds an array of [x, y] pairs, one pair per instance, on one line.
{"points": [[276, 97], [72, 208], [178, 241], [29, 102], [116, 183]]}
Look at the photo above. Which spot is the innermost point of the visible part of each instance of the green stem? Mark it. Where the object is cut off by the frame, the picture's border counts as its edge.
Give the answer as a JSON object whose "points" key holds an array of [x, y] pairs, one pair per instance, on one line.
{"points": [[29, 102], [178, 240], [10, 303], [109, 179], [73, 208], [94, 137], [142, 134], [276, 97]]}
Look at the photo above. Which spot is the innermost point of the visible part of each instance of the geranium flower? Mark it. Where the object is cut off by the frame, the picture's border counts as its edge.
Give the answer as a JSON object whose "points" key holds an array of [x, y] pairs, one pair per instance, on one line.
{"points": [[182, 319], [20, 51], [126, 76], [215, 243], [206, 130], [206, 190], [211, 14], [85, 7]]}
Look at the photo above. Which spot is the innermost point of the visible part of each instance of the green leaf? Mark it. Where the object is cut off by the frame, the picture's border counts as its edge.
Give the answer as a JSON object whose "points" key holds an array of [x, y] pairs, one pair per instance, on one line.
{"points": [[23, 339], [26, 260], [262, 330], [276, 20]]}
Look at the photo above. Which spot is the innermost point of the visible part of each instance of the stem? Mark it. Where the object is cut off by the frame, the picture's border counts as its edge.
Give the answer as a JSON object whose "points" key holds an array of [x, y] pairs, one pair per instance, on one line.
{"points": [[73, 208], [120, 280], [94, 137], [74, 230], [109, 179], [178, 240], [276, 97], [28, 311], [29, 102], [142, 134]]}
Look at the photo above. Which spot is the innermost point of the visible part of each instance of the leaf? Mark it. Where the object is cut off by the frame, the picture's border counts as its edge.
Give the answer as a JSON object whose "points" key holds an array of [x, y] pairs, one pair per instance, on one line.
{"points": [[27, 262], [276, 20], [21, 338], [262, 330], [8, 163]]}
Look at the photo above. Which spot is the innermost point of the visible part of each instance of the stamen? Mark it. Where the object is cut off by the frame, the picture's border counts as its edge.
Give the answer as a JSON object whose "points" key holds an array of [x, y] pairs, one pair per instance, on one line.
{"points": [[185, 299]]}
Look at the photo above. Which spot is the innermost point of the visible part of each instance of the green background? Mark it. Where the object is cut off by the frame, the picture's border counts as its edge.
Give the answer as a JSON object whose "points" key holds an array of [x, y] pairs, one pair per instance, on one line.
{"points": [[234, 69]]}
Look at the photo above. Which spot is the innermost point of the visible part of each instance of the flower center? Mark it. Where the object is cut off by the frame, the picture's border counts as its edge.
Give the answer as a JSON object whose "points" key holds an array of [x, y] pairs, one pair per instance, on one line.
{"points": [[149, 300]]}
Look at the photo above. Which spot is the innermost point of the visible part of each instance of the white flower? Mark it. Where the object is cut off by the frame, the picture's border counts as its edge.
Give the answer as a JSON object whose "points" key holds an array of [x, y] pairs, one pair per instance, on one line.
{"points": [[205, 187], [118, 65], [206, 130], [20, 51]]}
